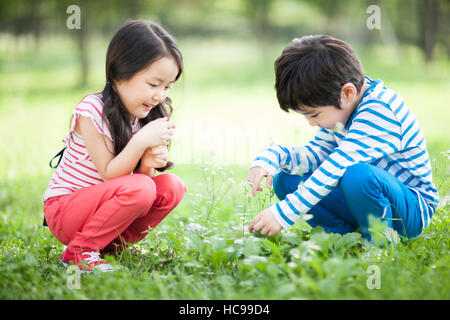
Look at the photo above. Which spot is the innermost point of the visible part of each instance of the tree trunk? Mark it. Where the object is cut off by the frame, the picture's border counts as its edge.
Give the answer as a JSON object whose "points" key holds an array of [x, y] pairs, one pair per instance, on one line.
{"points": [[428, 23], [83, 44], [258, 13]]}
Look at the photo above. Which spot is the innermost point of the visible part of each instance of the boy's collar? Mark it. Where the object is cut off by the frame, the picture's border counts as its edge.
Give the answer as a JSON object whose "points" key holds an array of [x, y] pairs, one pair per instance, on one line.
{"points": [[372, 84]]}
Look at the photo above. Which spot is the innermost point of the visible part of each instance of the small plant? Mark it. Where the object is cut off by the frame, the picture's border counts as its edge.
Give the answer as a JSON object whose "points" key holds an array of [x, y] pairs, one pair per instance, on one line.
{"points": [[250, 206], [441, 174], [217, 181]]}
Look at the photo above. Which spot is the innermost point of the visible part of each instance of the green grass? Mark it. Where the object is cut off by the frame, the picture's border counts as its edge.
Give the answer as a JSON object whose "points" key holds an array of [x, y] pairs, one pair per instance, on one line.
{"points": [[202, 250], [196, 256]]}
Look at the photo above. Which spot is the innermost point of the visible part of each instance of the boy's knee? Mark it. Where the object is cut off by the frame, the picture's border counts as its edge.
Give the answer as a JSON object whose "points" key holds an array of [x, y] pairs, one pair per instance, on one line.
{"points": [[358, 178], [277, 184], [284, 183]]}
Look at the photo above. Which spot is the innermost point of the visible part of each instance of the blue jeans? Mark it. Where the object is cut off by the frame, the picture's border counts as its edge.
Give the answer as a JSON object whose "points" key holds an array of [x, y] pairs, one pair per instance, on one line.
{"points": [[363, 190]]}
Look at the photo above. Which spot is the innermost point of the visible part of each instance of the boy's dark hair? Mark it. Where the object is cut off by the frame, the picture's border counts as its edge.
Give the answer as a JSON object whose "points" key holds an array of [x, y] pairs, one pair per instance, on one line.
{"points": [[312, 70]]}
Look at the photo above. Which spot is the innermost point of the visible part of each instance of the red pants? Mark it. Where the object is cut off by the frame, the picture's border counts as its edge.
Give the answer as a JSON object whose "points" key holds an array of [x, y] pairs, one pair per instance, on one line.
{"points": [[93, 217]]}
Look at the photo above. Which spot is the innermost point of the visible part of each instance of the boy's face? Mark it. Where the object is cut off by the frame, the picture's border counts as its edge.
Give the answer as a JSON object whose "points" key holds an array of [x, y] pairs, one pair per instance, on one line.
{"points": [[330, 117]]}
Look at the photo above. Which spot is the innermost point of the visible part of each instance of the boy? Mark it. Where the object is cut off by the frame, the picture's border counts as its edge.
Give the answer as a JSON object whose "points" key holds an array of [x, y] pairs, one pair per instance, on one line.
{"points": [[369, 156]]}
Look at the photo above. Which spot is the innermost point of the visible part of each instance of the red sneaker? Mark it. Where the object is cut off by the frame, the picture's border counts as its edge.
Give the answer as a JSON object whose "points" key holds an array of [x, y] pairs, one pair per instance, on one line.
{"points": [[86, 261]]}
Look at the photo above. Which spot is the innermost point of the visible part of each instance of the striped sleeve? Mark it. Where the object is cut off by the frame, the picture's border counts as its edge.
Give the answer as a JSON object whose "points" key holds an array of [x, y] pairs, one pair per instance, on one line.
{"points": [[295, 160], [374, 133], [91, 107]]}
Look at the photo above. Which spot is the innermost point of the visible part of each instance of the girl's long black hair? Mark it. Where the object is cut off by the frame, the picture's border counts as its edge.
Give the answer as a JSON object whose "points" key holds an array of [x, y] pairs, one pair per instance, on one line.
{"points": [[134, 47]]}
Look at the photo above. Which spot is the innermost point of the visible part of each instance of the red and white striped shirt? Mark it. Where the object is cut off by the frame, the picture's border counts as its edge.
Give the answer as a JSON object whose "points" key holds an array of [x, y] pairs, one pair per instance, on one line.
{"points": [[76, 169]]}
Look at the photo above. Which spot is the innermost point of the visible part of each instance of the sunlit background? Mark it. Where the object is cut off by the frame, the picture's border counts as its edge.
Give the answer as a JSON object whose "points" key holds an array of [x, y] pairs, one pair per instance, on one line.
{"points": [[226, 111], [225, 103]]}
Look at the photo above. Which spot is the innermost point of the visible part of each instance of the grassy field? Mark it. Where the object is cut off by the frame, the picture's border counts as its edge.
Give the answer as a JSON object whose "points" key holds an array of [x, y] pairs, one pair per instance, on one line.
{"points": [[225, 110]]}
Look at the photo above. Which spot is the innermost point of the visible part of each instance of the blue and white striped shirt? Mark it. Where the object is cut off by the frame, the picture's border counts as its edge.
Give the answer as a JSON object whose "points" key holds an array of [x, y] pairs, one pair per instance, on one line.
{"points": [[381, 131]]}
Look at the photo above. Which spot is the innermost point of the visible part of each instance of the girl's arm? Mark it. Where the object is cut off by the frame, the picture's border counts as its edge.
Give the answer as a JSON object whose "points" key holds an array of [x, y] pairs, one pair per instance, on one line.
{"points": [[100, 148], [146, 170], [153, 158]]}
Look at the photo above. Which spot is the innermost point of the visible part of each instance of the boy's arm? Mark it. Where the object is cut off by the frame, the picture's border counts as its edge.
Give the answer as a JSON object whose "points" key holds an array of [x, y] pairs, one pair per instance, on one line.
{"points": [[300, 159], [374, 134]]}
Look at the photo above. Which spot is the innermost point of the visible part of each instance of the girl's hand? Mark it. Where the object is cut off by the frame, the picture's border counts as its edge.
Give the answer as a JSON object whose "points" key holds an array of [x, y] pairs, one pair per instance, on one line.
{"points": [[266, 223], [155, 157], [157, 132], [255, 175]]}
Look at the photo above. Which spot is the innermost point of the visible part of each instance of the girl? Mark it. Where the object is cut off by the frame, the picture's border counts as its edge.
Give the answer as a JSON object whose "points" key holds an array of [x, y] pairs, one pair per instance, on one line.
{"points": [[105, 192]]}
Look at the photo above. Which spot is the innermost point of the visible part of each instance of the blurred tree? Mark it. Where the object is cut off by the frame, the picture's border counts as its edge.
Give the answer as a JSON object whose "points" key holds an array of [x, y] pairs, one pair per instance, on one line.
{"points": [[369, 37], [444, 26], [387, 31], [258, 13], [332, 10], [404, 20], [100, 16], [428, 21], [21, 18], [423, 23]]}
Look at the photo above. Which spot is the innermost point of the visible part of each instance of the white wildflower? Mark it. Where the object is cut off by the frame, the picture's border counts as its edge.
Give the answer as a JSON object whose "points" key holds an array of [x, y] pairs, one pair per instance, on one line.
{"points": [[195, 228]]}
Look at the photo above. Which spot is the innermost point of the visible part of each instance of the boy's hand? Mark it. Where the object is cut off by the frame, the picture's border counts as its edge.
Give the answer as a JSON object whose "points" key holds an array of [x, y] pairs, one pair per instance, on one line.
{"points": [[255, 176], [266, 222]]}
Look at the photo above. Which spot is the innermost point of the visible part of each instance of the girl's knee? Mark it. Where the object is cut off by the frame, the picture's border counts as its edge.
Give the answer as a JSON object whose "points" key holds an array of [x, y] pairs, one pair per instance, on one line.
{"points": [[144, 183], [173, 181], [170, 185], [141, 189]]}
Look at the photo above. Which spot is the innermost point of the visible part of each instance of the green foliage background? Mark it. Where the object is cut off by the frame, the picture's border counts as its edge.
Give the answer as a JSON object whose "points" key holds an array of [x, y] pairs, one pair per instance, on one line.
{"points": [[202, 250]]}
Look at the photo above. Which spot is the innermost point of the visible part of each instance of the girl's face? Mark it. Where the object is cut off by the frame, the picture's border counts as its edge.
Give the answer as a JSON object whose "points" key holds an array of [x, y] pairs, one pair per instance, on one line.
{"points": [[148, 87]]}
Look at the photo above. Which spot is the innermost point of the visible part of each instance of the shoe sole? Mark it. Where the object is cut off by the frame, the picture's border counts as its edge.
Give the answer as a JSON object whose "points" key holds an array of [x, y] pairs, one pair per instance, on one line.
{"points": [[95, 269]]}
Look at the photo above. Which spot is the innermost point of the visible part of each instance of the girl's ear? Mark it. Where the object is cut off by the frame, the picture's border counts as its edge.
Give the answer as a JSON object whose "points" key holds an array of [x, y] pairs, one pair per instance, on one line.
{"points": [[113, 85]]}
